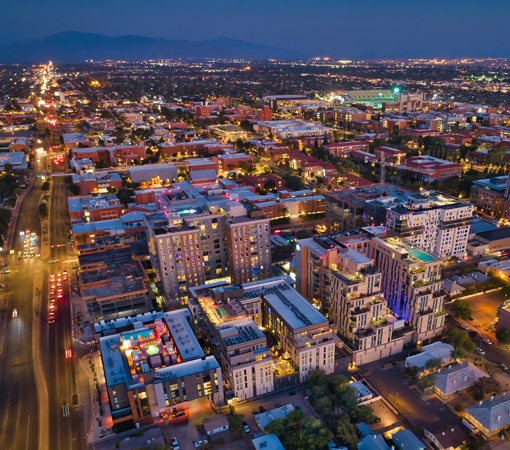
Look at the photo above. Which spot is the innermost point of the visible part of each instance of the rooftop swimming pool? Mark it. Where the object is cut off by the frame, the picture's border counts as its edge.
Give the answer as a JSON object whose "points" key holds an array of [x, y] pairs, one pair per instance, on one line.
{"points": [[221, 312], [421, 255]]}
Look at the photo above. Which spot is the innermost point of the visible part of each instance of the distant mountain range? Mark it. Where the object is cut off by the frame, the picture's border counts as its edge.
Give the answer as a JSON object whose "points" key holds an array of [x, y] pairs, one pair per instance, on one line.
{"points": [[75, 46]]}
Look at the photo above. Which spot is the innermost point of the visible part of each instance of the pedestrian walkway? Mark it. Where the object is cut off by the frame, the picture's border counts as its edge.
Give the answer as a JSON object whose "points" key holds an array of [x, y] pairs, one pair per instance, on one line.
{"points": [[101, 424], [83, 331]]}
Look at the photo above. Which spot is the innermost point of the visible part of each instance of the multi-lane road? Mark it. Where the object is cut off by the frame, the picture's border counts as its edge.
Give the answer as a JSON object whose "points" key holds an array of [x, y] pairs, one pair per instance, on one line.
{"points": [[32, 415]]}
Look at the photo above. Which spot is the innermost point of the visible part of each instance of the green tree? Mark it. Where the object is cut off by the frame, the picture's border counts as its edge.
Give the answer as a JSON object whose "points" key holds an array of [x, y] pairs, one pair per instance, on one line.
{"points": [[362, 414], [235, 423], [503, 335], [45, 186], [125, 196], [346, 398], [484, 386], [433, 363], [324, 406], [345, 432], [474, 443], [43, 210], [461, 308], [458, 353], [459, 338], [426, 382]]}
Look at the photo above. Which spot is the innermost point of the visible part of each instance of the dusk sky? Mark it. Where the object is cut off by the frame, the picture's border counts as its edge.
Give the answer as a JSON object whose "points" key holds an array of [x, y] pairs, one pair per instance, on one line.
{"points": [[341, 28]]}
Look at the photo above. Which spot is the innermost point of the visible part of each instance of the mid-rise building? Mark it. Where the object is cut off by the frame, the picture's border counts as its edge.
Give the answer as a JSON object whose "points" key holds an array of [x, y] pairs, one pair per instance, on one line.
{"points": [[488, 195], [248, 243], [152, 364], [433, 221], [412, 286], [343, 281], [196, 239], [241, 346], [113, 282], [233, 316]]}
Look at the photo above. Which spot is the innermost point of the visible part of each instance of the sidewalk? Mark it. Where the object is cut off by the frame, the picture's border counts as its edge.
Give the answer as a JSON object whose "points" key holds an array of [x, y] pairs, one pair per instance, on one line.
{"points": [[101, 424], [82, 326]]}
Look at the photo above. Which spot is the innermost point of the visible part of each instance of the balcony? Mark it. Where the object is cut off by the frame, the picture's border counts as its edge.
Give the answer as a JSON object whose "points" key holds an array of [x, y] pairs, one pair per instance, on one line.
{"points": [[440, 312], [416, 270], [376, 323], [456, 223], [358, 311], [422, 283]]}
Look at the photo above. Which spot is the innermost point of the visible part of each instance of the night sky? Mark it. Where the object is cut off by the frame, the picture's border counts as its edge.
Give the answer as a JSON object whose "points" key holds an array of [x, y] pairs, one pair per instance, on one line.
{"points": [[338, 28]]}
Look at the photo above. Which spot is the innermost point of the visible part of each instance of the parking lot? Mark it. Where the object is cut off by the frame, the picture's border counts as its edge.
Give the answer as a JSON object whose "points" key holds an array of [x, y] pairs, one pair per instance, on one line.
{"points": [[187, 432]]}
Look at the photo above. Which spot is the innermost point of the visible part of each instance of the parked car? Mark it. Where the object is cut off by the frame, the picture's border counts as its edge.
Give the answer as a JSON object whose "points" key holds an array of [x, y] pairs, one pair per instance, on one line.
{"points": [[174, 443], [464, 326], [487, 341], [246, 428], [480, 351], [201, 442], [503, 367]]}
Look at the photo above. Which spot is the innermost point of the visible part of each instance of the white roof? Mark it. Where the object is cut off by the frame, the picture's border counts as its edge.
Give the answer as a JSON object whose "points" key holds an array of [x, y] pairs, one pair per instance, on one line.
{"points": [[493, 413], [458, 377], [268, 442], [265, 418], [435, 350]]}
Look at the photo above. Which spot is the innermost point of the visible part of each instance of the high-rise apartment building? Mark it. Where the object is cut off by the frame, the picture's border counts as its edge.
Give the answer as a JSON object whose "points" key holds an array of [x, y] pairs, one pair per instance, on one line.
{"points": [[176, 254], [433, 221], [350, 287], [192, 243], [249, 245], [411, 283], [315, 257]]}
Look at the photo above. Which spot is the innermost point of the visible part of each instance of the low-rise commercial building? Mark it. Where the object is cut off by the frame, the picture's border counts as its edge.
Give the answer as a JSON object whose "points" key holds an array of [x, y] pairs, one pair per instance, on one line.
{"points": [[97, 182], [87, 208]]}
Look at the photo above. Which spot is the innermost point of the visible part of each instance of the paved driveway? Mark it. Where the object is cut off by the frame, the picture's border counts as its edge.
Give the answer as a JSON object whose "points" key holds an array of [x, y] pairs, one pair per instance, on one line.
{"points": [[390, 383]]}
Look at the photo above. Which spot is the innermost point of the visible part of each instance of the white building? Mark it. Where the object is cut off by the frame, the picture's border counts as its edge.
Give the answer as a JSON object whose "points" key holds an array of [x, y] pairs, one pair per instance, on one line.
{"points": [[434, 222]]}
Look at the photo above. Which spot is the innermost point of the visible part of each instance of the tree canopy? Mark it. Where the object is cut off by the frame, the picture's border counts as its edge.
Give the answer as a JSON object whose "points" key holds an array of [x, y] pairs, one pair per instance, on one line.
{"points": [[459, 338], [461, 308]]}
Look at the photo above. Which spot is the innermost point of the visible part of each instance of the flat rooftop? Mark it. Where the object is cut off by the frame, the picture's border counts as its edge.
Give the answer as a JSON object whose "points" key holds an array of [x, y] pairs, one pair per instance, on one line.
{"points": [[286, 301], [186, 368], [240, 331], [414, 254]]}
